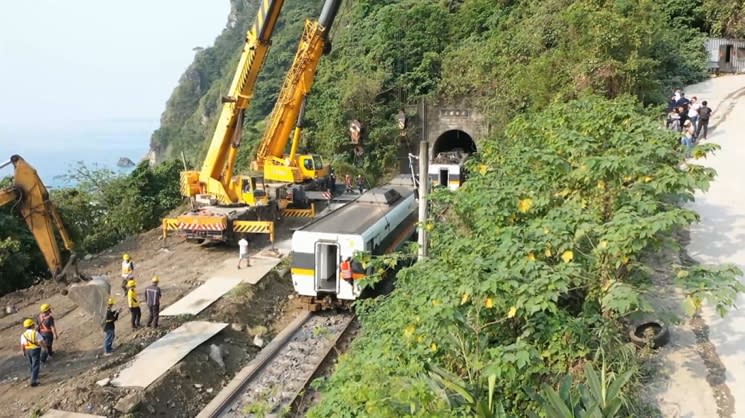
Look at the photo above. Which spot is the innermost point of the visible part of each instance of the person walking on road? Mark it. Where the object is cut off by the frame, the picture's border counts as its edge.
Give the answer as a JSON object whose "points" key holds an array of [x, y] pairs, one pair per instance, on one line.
{"points": [[47, 329], [152, 298], [243, 252], [348, 184], [128, 271], [704, 113], [108, 328], [360, 183], [32, 343], [134, 304]]}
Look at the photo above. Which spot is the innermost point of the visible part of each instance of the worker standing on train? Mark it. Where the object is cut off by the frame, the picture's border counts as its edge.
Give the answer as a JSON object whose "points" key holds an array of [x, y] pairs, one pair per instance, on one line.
{"points": [[346, 269]]}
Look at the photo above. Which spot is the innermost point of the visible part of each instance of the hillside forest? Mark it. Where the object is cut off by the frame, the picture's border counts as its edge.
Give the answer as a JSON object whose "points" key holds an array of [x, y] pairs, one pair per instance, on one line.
{"points": [[538, 261]]}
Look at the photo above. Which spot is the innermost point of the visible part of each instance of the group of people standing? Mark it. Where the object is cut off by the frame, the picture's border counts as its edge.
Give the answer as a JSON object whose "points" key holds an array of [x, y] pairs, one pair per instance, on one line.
{"points": [[39, 335], [689, 117], [37, 340]]}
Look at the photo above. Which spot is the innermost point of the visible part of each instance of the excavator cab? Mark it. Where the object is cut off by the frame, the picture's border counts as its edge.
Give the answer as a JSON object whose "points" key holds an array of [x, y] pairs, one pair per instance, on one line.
{"points": [[312, 167]]}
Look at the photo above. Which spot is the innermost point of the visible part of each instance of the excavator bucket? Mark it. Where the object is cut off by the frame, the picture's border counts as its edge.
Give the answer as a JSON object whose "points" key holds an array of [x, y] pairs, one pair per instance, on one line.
{"points": [[92, 296], [89, 293]]}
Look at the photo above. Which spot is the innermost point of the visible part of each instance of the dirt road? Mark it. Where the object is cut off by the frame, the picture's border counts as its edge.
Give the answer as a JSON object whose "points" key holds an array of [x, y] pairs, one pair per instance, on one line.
{"points": [[68, 381], [703, 367]]}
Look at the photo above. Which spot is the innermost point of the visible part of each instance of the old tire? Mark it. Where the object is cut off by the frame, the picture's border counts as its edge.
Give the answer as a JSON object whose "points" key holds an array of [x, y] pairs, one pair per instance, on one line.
{"points": [[650, 332]]}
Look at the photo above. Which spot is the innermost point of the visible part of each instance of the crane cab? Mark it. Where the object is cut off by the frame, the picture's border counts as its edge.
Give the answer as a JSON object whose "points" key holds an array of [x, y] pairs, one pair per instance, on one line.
{"points": [[249, 191], [312, 167]]}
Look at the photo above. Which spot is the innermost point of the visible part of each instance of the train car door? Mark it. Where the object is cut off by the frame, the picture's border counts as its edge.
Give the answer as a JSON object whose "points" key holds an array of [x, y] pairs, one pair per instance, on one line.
{"points": [[326, 276], [444, 176]]}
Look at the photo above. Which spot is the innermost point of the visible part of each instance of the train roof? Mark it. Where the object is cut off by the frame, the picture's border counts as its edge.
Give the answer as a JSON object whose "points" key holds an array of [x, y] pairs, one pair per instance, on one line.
{"points": [[360, 214]]}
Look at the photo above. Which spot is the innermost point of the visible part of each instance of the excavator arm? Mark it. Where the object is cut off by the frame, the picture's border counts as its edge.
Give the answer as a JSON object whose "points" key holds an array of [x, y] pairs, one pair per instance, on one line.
{"points": [[286, 117], [216, 176], [32, 200], [29, 195]]}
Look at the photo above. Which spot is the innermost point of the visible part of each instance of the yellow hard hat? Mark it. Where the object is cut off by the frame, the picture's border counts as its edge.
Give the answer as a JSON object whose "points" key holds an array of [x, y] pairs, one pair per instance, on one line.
{"points": [[131, 283], [28, 323], [156, 279], [125, 257], [111, 301], [45, 308]]}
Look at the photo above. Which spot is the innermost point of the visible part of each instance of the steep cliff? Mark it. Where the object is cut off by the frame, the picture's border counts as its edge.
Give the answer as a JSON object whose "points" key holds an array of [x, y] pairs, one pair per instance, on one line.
{"points": [[191, 112]]}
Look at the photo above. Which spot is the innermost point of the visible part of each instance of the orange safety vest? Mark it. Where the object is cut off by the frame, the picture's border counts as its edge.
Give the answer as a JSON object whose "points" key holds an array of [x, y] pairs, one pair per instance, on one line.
{"points": [[30, 339], [42, 322], [346, 270]]}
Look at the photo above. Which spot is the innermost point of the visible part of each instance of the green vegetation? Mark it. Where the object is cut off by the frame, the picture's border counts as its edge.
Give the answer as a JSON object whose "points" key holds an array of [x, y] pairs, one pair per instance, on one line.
{"points": [[540, 279]]}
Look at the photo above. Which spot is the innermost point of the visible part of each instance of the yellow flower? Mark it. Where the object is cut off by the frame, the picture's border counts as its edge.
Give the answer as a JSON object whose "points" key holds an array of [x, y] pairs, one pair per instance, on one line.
{"points": [[547, 252], [531, 256], [647, 179], [464, 299], [627, 178], [489, 303], [524, 205], [512, 312], [429, 226], [409, 330], [603, 245], [420, 339], [435, 302], [433, 347], [483, 169], [567, 256], [601, 185], [546, 230]]}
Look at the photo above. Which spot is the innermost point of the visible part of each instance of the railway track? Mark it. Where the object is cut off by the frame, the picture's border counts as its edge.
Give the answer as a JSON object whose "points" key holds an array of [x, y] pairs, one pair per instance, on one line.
{"points": [[272, 382]]}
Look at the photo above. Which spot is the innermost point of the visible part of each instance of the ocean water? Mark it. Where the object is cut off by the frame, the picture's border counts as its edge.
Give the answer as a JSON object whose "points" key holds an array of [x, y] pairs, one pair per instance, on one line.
{"points": [[55, 152]]}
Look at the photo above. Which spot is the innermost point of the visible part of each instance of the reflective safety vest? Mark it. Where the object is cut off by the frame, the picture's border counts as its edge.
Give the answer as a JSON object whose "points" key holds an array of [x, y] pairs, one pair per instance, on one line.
{"points": [[30, 336], [132, 299], [346, 270], [127, 269], [44, 322]]}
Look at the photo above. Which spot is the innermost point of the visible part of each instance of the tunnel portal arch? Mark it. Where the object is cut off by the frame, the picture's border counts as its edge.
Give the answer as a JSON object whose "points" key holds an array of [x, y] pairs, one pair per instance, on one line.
{"points": [[454, 139]]}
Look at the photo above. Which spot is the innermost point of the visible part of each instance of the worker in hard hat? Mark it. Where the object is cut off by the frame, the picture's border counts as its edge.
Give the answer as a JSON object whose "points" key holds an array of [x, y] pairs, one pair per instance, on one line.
{"points": [[32, 343], [108, 328], [152, 298], [47, 329], [128, 271], [134, 304]]}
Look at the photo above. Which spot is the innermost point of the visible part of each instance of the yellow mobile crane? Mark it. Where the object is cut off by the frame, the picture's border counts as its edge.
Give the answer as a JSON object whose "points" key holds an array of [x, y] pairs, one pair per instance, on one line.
{"points": [[226, 198], [31, 198], [287, 115]]}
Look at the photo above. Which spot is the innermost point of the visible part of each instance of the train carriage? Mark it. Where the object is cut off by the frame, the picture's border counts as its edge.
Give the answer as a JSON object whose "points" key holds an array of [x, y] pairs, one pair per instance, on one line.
{"points": [[378, 222]]}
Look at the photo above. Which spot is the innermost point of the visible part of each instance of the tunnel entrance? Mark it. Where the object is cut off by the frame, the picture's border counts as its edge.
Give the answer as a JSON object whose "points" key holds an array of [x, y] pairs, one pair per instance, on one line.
{"points": [[454, 140]]}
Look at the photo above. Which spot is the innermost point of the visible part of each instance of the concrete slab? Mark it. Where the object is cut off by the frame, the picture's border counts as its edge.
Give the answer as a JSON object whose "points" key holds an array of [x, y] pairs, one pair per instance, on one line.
{"points": [[225, 278], [202, 297], [164, 353], [54, 413]]}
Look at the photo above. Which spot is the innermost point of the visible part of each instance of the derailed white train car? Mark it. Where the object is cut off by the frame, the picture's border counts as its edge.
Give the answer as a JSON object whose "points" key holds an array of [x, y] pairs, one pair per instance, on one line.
{"points": [[378, 222]]}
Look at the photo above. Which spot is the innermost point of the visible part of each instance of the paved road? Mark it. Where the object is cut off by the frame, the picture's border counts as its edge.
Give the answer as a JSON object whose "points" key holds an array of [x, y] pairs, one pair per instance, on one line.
{"points": [[720, 236]]}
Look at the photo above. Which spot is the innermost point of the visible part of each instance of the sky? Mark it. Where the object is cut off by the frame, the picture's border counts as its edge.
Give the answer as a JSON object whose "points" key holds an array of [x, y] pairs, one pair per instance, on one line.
{"points": [[70, 63]]}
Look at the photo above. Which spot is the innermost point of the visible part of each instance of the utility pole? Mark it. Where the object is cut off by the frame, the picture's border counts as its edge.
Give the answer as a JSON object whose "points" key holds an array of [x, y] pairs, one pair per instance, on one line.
{"points": [[423, 191]]}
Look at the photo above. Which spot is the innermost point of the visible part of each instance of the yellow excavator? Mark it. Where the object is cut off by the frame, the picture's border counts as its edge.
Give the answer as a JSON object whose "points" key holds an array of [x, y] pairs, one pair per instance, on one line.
{"points": [[287, 116], [224, 203], [31, 198]]}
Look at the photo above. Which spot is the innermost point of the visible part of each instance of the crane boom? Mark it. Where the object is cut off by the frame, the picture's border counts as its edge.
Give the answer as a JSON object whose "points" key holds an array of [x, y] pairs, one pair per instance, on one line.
{"points": [[216, 176], [288, 110]]}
